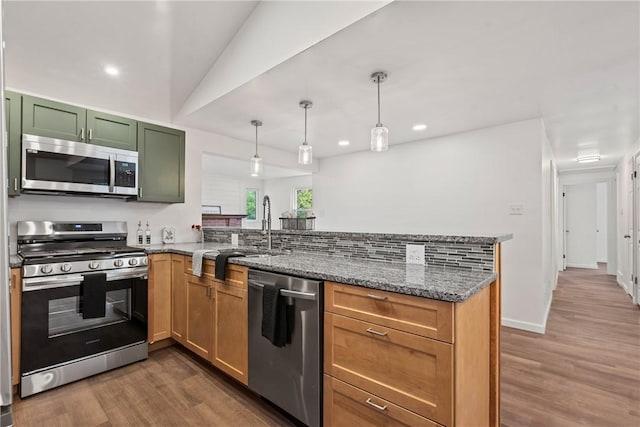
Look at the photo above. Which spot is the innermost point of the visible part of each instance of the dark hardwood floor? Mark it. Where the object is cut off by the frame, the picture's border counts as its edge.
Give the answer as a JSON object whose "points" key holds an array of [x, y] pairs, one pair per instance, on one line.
{"points": [[585, 370]]}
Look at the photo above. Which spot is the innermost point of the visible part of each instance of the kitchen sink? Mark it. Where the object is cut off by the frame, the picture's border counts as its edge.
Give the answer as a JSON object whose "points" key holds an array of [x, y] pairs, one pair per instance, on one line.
{"points": [[249, 253]]}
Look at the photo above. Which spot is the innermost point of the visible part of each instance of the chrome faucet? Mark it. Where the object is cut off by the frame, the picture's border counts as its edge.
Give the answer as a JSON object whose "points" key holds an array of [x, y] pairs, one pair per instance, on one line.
{"points": [[266, 219]]}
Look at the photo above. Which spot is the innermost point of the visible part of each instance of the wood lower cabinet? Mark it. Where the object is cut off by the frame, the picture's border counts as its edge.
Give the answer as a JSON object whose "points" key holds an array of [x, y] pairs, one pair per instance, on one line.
{"points": [[159, 289], [200, 315], [178, 299], [381, 351], [231, 331], [16, 301], [348, 406]]}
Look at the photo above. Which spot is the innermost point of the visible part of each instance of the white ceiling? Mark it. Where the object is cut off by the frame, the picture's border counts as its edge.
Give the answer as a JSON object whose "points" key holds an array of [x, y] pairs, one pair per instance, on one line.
{"points": [[226, 166], [455, 66]]}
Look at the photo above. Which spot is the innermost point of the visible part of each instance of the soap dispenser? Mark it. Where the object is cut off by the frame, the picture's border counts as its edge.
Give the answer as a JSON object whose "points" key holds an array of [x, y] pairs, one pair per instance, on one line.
{"points": [[147, 234], [139, 234]]}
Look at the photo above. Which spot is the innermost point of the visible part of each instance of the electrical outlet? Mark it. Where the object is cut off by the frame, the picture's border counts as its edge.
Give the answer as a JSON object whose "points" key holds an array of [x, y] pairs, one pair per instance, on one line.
{"points": [[415, 254], [234, 239]]}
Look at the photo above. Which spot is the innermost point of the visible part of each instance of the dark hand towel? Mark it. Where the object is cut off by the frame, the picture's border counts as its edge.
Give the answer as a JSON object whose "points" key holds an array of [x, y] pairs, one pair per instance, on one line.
{"points": [[94, 295], [221, 264], [274, 315]]}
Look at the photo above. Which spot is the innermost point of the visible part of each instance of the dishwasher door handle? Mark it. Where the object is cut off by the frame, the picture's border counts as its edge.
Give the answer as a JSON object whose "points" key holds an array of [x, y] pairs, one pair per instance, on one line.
{"points": [[286, 292]]}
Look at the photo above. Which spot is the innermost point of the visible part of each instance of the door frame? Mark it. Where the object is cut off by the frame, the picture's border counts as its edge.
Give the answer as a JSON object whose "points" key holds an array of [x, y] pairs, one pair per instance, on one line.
{"points": [[635, 235]]}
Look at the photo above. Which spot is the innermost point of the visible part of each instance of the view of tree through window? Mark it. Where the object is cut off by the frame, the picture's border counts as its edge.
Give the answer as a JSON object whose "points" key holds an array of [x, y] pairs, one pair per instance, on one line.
{"points": [[252, 195], [304, 201]]}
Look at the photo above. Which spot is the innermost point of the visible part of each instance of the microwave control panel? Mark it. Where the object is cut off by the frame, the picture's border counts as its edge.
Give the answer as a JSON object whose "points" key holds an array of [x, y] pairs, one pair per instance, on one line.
{"points": [[125, 174]]}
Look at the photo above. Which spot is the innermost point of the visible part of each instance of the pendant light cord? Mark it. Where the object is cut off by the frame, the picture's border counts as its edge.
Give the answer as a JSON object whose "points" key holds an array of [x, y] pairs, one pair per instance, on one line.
{"points": [[378, 80], [256, 140], [305, 124]]}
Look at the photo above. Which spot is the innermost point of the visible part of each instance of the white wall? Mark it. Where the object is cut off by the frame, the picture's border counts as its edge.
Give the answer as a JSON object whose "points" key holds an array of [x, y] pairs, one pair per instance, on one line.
{"points": [[280, 191], [462, 183], [548, 210], [601, 220]]}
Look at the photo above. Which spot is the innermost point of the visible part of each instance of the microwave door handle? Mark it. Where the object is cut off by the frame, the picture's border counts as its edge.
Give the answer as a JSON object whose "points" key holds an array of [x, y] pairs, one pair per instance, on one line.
{"points": [[112, 173]]}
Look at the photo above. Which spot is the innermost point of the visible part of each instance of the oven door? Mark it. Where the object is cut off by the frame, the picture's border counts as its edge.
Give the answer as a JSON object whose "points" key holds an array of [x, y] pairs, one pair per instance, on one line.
{"points": [[54, 330]]}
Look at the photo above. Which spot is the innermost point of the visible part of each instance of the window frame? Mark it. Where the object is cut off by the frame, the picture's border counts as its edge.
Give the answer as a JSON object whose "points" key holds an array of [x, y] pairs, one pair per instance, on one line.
{"points": [[295, 199], [246, 191]]}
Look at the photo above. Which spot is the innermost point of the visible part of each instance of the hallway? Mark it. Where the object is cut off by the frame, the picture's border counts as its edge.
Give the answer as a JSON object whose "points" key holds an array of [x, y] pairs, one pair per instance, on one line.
{"points": [[586, 369]]}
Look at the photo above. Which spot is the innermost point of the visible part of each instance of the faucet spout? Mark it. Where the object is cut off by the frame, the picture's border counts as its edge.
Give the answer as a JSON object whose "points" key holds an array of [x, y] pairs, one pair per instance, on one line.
{"points": [[266, 219]]}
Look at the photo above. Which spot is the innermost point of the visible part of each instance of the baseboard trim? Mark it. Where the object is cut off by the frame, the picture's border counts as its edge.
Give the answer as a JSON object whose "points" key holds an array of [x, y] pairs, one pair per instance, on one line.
{"points": [[527, 326], [590, 266], [546, 313]]}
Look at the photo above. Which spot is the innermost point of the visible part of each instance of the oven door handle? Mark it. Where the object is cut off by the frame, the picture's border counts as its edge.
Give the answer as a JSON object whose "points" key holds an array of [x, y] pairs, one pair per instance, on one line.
{"points": [[39, 283], [133, 273]]}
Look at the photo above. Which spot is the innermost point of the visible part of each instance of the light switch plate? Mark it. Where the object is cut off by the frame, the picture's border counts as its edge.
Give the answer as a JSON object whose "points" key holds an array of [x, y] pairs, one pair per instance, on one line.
{"points": [[234, 239], [516, 209], [415, 254]]}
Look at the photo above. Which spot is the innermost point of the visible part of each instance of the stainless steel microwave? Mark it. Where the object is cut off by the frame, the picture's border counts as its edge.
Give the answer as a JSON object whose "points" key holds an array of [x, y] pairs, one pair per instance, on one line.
{"points": [[55, 165]]}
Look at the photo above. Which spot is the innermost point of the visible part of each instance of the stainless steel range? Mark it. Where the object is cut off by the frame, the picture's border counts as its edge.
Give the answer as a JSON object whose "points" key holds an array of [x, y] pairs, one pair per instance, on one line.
{"points": [[84, 301]]}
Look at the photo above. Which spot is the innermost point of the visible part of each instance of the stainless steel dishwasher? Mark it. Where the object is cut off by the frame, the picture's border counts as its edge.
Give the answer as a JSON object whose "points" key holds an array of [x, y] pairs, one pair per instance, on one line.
{"points": [[289, 376]]}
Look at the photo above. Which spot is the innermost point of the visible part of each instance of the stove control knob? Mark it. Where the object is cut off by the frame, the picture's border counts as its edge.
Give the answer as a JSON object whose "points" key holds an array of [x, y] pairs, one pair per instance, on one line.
{"points": [[65, 268], [133, 261], [118, 263], [93, 265], [144, 261], [46, 269]]}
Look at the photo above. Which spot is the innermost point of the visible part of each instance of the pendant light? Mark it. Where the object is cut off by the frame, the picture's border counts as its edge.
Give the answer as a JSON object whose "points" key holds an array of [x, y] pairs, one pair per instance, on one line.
{"points": [[379, 134], [256, 161], [305, 151]]}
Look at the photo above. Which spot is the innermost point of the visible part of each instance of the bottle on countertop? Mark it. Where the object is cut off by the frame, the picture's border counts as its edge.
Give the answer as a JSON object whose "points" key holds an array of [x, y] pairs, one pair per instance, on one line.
{"points": [[147, 234], [139, 234]]}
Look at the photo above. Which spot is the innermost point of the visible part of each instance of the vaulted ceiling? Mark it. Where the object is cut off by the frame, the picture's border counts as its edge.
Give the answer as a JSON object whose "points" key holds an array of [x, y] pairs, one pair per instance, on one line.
{"points": [[454, 66]]}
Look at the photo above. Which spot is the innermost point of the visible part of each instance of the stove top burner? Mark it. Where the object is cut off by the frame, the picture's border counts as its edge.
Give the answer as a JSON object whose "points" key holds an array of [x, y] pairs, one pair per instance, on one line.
{"points": [[30, 255]]}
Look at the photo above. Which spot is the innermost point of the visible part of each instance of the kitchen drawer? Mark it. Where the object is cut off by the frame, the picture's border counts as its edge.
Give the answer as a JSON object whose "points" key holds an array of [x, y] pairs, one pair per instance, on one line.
{"points": [[208, 268], [236, 275], [348, 406], [420, 316], [411, 371]]}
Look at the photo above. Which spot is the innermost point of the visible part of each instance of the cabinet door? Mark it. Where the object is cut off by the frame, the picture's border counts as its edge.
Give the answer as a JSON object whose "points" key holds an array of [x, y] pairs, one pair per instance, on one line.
{"points": [[53, 119], [178, 299], [161, 164], [112, 131], [159, 297], [200, 315], [16, 301], [231, 342], [411, 371], [12, 105]]}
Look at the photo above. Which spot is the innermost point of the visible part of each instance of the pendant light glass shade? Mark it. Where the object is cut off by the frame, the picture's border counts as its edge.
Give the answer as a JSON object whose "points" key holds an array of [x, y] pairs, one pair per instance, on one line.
{"points": [[305, 154], [305, 151], [379, 134], [255, 166], [379, 138]]}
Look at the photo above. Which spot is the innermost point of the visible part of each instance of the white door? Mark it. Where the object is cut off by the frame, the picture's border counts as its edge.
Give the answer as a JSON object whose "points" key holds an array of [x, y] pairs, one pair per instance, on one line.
{"points": [[581, 226], [635, 289], [601, 218]]}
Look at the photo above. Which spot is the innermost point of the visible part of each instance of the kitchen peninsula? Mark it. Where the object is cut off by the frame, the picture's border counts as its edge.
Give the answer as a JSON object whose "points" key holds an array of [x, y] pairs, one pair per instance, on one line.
{"points": [[413, 343]]}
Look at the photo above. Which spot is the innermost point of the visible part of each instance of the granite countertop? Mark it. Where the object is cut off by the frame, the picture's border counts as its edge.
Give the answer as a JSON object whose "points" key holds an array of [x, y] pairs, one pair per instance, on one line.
{"points": [[15, 261], [441, 283]]}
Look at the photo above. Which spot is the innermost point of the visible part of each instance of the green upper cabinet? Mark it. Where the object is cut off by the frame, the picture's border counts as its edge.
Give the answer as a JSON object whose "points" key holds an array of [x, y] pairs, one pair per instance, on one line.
{"points": [[43, 117], [111, 131], [53, 119], [160, 164], [12, 103]]}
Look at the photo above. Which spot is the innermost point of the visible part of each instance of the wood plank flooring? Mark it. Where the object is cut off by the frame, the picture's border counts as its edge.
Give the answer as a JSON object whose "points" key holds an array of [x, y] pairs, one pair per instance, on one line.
{"points": [[586, 369], [171, 388]]}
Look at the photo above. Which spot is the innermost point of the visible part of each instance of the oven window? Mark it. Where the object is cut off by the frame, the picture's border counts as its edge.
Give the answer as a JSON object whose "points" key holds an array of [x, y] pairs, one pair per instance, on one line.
{"points": [[65, 316], [56, 167]]}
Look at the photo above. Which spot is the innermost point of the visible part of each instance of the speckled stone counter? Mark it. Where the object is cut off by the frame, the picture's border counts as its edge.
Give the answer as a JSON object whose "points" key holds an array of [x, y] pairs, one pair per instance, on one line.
{"points": [[15, 261], [441, 283]]}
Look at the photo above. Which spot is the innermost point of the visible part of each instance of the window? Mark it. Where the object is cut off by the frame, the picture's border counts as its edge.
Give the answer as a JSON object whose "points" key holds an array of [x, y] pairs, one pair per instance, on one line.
{"points": [[252, 196], [303, 201]]}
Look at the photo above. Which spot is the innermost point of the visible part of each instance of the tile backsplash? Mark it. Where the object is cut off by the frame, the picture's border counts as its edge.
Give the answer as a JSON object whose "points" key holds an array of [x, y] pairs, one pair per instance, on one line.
{"points": [[476, 254]]}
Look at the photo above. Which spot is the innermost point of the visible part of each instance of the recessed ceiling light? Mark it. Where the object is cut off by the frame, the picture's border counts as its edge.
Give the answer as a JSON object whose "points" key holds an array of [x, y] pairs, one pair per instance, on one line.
{"points": [[111, 70], [419, 127], [343, 143]]}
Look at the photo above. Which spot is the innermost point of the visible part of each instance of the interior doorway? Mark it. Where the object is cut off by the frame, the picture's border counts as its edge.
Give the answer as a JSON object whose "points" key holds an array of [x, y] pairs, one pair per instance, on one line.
{"points": [[581, 232]]}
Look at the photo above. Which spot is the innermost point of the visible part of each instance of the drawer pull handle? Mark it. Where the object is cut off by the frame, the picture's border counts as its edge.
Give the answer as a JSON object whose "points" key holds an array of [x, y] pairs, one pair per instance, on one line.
{"points": [[381, 408], [382, 334], [377, 297]]}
